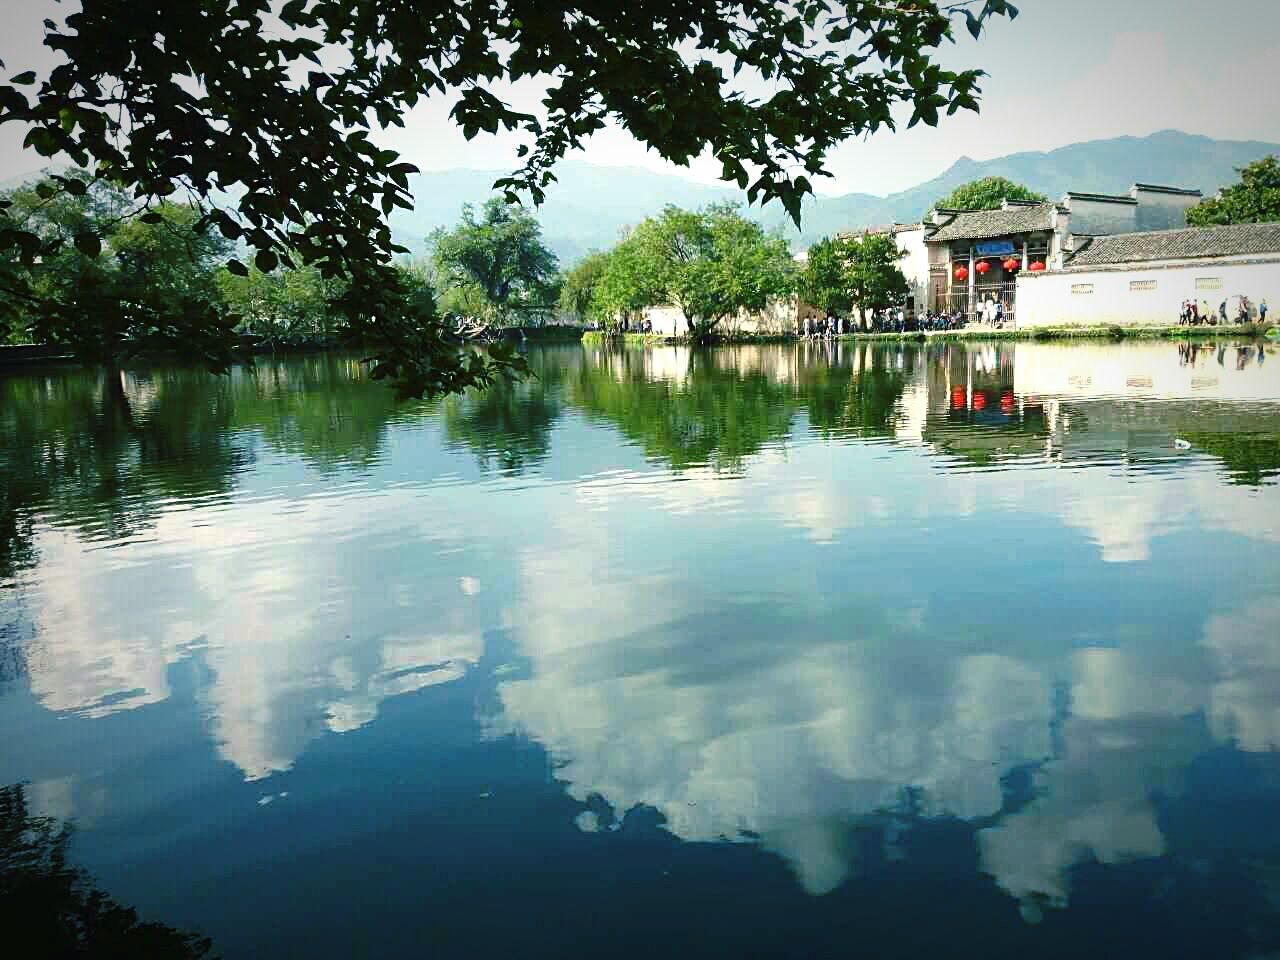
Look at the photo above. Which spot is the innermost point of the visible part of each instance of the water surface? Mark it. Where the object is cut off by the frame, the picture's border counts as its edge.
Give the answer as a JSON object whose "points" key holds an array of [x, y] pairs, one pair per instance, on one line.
{"points": [[791, 651]]}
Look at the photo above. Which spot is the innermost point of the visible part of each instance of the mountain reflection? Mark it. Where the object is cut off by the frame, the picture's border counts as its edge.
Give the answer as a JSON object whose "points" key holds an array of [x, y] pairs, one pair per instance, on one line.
{"points": [[780, 596]]}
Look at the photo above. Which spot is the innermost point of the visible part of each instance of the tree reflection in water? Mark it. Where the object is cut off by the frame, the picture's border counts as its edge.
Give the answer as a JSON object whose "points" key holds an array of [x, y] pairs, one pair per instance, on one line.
{"points": [[49, 908]]}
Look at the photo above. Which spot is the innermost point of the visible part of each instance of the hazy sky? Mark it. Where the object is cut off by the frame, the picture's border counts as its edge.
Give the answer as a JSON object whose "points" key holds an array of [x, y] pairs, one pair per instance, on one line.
{"points": [[1064, 71]]}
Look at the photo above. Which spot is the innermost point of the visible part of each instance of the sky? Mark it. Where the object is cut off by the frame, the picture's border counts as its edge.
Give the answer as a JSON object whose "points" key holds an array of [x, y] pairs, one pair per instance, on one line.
{"points": [[1064, 71]]}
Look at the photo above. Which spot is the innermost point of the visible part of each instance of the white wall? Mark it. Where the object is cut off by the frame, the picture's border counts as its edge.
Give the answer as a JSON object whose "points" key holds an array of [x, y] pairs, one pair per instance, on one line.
{"points": [[778, 317], [915, 265], [1047, 299], [1102, 216], [1162, 211]]}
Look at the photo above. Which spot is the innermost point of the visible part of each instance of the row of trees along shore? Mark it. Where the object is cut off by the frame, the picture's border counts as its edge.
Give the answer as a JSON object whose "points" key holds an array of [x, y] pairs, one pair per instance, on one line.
{"points": [[116, 281], [264, 117]]}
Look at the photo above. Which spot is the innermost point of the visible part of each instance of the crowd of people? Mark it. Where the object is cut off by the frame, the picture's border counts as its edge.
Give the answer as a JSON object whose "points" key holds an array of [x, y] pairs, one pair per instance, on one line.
{"points": [[820, 328], [892, 320], [1197, 313]]}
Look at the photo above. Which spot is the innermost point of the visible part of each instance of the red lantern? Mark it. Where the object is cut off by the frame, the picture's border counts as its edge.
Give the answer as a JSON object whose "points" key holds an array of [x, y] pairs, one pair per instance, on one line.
{"points": [[962, 273], [1037, 266], [982, 267], [1011, 265]]}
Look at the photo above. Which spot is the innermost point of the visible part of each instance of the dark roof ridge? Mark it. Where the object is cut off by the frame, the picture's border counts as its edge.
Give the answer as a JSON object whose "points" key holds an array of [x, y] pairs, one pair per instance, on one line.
{"points": [[1101, 197], [1159, 188]]}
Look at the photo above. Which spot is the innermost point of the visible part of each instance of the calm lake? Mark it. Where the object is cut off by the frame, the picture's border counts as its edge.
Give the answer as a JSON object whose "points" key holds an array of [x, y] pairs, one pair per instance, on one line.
{"points": [[803, 651]]}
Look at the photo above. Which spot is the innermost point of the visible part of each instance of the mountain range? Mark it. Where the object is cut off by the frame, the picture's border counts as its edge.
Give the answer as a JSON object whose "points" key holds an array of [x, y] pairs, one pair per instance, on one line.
{"points": [[590, 205]]}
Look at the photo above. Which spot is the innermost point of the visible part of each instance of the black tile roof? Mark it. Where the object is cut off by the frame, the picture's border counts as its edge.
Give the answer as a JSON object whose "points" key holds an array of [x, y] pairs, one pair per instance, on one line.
{"points": [[981, 224], [1158, 188], [1188, 244]]}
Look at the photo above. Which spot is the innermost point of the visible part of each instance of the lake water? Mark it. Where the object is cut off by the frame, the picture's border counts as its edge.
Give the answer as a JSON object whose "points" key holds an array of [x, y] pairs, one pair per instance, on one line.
{"points": [[789, 651]]}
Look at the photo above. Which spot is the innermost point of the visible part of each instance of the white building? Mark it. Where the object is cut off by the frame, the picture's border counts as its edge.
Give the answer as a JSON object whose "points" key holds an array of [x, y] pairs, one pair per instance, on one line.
{"points": [[1142, 279], [977, 255]]}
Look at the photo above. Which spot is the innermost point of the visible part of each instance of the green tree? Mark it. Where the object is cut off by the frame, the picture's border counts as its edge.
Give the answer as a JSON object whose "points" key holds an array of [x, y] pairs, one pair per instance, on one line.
{"points": [[824, 282], [290, 304], [875, 277], [116, 281], [986, 194], [498, 262], [854, 272], [711, 264], [629, 281], [1255, 199], [578, 289], [279, 104]]}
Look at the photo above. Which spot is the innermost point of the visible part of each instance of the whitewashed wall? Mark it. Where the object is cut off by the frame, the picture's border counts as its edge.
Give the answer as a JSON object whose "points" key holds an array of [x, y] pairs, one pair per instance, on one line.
{"points": [[1162, 211], [915, 265], [778, 317], [1048, 299], [1094, 217]]}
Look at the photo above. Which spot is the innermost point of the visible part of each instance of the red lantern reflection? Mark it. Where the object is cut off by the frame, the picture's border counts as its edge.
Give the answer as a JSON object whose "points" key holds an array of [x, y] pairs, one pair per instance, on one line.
{"points": [[1006, 402], [979, 401], [957, 398]]}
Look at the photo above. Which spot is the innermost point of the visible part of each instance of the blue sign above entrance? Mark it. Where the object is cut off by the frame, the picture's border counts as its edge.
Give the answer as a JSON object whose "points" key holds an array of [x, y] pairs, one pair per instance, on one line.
{"points": [[995, 247]]}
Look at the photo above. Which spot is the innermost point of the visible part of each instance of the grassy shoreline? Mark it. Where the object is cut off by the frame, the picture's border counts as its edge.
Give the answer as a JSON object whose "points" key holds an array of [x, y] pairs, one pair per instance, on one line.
{"points": [[1035, 334]]}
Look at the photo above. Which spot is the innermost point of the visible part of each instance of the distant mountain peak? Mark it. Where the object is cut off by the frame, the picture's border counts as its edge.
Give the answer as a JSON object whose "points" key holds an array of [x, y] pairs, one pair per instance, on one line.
{"points": [[590, 204]]}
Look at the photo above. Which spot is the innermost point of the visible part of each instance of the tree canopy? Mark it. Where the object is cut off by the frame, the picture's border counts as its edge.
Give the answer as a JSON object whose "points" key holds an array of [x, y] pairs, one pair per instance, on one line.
{"points": [[277, 105], [497, 262], [1255, 199], [111, 286], [986, 194], [854, 272], [825, 281], [580, 295], [711, 264]]}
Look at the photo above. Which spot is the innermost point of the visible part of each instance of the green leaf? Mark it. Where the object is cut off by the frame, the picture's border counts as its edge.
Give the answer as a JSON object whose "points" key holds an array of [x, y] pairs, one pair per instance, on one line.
{"points": [[24, 79], [265, 260], [237, 268], [90, 244]]}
